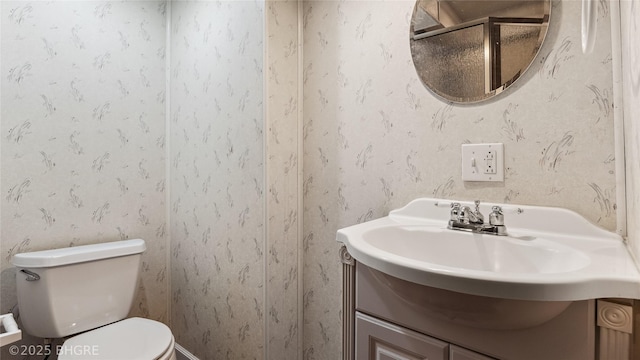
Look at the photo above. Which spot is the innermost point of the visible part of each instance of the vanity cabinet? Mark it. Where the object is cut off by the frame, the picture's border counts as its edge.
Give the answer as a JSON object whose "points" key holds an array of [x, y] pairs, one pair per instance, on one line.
{"points": [[528, 295], [400, 320], [458, 353], [379, 340]]}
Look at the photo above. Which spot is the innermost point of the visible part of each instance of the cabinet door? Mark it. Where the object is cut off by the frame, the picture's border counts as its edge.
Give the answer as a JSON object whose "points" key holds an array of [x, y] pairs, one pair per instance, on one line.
{"points": [[458, 353], [379, 340]]}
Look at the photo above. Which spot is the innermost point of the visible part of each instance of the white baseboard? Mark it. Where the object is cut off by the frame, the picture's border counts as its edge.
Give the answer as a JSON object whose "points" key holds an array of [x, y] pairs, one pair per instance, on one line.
{"points": [[184, 354]]}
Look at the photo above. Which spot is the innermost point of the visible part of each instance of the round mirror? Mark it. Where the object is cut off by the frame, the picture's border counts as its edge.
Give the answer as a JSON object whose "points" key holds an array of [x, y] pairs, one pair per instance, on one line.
{"points": [[470, 50]]}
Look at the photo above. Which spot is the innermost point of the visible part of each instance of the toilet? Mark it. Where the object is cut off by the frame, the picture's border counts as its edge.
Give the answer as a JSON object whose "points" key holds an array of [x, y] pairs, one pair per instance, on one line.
{"points": [[84, 294]]}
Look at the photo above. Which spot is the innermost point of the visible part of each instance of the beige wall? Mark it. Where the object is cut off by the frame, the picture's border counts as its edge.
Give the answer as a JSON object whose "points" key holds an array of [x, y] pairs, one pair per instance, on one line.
{"points": [[234, 179], [375, 138], [216, 178], [83, 148], [84, 156], [282, 244], [83, 133], [82, 123]]}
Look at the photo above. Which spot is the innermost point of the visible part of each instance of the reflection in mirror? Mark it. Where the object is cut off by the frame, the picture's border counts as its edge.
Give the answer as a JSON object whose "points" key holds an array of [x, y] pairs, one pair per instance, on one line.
{"points": [[470, 50]]}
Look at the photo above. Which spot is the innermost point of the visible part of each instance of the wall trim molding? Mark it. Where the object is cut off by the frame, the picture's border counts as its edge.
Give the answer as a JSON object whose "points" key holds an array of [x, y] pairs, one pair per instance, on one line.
{"points": [[167, 155], [618, 120], [184, 354], [300, 158]]}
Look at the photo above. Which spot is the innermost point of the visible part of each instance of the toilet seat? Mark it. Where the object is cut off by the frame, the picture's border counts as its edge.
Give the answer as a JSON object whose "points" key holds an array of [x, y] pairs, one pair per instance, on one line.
{"points": [[131, 339]]}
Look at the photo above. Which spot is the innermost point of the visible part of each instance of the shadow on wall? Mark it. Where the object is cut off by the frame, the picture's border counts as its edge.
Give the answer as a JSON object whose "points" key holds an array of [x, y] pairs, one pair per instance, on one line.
{"points": [[8, 296]]}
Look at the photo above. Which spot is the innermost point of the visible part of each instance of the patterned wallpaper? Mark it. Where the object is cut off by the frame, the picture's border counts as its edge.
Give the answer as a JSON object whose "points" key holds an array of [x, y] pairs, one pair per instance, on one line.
{"points": [[630, 30], [375, 138], [282, 242], [83, 92], [217, 185]]}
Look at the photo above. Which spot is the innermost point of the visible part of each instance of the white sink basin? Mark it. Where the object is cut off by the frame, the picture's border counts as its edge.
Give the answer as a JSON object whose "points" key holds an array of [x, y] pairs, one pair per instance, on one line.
{"points": [[550, 254], [446, 249]]}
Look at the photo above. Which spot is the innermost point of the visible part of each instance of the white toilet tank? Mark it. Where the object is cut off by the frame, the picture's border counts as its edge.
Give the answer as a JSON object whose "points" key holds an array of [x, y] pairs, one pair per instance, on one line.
{"points": [[66, 291]]}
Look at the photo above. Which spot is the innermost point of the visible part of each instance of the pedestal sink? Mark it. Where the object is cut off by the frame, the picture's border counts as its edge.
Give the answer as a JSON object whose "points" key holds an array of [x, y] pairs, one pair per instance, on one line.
{"points": [[549, 254]]}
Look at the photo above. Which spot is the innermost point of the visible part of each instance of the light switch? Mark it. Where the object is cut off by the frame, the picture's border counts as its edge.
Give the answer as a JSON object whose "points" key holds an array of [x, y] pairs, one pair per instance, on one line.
{"points": [[483, 162]]}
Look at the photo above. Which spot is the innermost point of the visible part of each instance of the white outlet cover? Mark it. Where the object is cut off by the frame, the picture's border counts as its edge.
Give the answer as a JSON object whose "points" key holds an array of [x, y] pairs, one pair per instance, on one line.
{"points": [[477, 164]]}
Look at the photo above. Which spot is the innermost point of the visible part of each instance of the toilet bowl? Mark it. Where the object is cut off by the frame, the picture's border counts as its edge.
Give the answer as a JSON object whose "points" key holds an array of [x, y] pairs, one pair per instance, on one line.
{"points": [[84, 294], [131, 339]]}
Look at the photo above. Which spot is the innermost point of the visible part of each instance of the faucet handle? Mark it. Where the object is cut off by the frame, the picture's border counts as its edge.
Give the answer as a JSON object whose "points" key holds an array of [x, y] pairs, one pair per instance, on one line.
{"points": [[496, 217], [455, 210]]}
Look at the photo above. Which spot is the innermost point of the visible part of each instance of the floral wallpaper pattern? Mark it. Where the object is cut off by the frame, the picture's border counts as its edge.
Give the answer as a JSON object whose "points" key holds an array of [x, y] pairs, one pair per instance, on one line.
{"points": [[216, 185], [83, 148], [282, 242], [98, 172], [376, 138], [83, 92]]}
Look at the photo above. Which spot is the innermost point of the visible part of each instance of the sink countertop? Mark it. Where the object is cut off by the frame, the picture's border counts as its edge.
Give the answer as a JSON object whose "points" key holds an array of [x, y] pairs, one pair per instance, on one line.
{"points": [[550, 254]]}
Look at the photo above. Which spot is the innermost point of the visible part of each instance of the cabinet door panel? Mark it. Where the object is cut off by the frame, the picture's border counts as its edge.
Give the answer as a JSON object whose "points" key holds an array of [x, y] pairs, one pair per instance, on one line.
{"points": [[458, 353], [379, 340]]}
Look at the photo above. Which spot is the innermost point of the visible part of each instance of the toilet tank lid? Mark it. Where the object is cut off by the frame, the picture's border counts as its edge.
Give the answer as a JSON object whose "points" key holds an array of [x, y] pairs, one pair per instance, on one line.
{"points": [[78, 254]]}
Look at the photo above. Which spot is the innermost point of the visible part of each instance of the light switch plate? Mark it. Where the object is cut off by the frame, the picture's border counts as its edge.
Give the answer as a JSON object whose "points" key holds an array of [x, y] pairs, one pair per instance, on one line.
{"points": [[483, 162]]}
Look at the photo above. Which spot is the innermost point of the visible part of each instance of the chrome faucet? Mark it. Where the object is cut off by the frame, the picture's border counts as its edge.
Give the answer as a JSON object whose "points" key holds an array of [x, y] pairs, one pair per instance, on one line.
{"points": [[464, 219]]}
